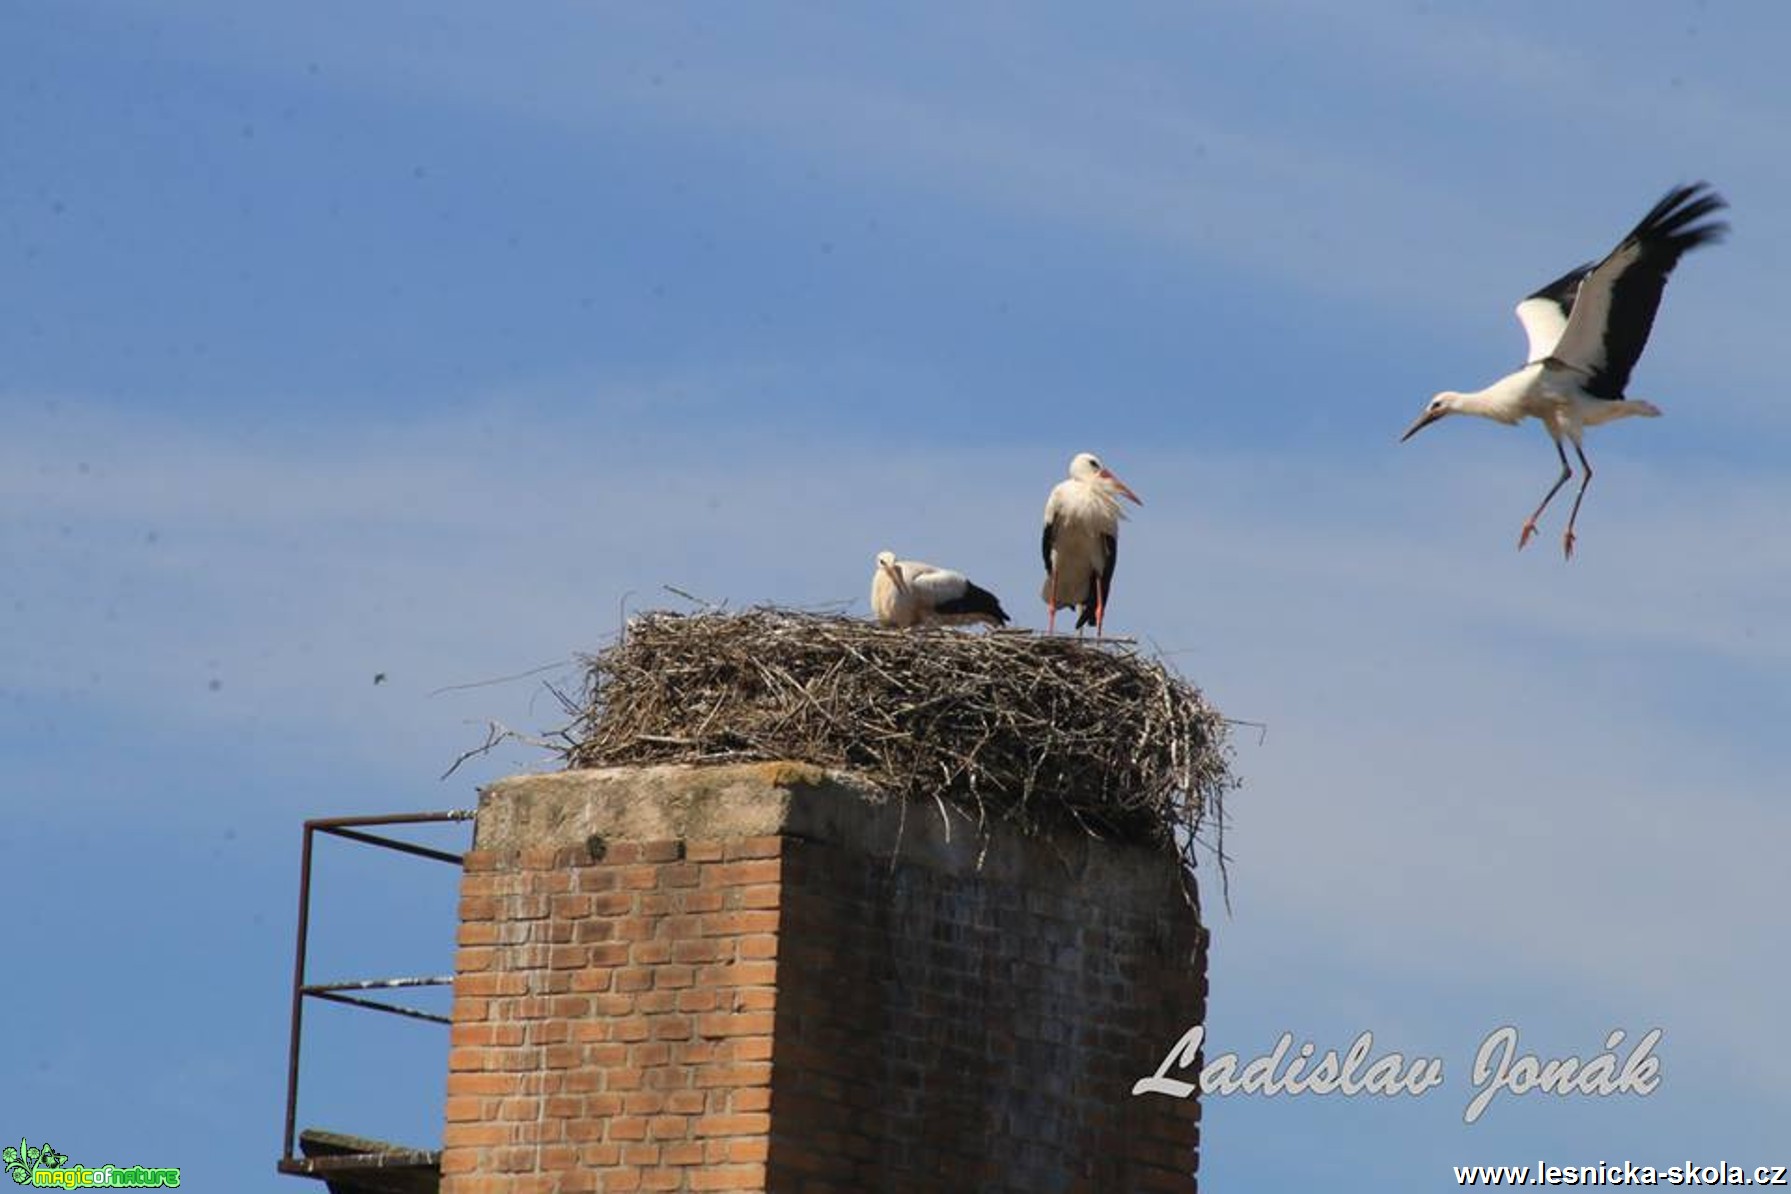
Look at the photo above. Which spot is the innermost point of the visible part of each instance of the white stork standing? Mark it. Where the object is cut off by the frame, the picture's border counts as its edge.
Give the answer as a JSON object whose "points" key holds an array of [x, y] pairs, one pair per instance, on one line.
{"points": [[1587, 329], [909, 593], [1081, 543]]}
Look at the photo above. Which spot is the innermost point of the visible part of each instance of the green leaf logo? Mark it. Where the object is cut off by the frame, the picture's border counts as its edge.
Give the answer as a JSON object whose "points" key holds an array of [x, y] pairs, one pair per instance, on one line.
{"points": [[23, 1161], [15, 1159]]}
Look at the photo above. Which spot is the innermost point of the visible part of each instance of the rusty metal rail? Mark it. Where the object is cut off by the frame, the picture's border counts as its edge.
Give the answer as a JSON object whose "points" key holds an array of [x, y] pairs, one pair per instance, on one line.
{"points": [[351, 829]]}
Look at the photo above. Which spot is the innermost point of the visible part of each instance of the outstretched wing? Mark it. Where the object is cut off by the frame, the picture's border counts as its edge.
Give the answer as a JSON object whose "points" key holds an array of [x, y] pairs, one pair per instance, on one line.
{"points": [[1544, 314], [1613, 310]]}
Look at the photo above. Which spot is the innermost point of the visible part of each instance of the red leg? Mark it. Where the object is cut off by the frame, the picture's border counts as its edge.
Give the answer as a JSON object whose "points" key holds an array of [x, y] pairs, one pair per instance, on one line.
{"points": [[1585, 480], [1051, 602], [1530, 526]]}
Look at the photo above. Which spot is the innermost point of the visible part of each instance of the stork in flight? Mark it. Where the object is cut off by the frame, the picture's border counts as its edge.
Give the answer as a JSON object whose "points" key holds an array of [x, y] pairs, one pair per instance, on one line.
{"points": [[1081, 543], [1587, 329], [909, 593]]}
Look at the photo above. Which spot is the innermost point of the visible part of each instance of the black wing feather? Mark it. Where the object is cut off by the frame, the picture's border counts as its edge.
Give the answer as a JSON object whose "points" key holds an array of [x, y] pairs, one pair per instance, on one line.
{"points": [[975, 600], [1101, 585], [1563, 290], [1664, 235], [1086, 615], [1111, 544]]}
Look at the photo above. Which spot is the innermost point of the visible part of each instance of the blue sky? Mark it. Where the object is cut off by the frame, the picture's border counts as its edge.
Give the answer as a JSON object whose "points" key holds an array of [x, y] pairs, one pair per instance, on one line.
{"points": [[418, 338]]}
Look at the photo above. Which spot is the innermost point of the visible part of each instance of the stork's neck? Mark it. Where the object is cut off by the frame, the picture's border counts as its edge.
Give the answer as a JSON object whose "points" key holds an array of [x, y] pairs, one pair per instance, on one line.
{"points": [[1503, 400], [1100, 497]]}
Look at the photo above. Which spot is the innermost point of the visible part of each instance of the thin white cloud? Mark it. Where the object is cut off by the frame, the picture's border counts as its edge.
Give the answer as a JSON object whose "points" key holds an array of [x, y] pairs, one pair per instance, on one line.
{"points": [[1018, 119]]}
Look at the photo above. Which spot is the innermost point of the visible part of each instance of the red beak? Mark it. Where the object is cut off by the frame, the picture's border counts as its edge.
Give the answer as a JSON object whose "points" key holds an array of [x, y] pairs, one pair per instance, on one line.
{"points": [[1124, 489]]}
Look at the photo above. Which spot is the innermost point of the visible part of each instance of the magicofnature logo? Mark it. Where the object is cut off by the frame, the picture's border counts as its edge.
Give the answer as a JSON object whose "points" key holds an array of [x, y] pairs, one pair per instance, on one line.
{"points": [[45, 1168]]}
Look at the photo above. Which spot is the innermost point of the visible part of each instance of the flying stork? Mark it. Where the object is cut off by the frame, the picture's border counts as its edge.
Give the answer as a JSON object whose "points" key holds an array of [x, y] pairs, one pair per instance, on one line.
{"points": [[1586, 330], [1081, 542], [909, 593]]}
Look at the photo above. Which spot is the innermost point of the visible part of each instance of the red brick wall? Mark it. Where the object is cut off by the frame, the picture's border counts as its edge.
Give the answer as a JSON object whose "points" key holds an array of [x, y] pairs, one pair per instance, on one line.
{"points": [[774, 1013], [613, 1019]]}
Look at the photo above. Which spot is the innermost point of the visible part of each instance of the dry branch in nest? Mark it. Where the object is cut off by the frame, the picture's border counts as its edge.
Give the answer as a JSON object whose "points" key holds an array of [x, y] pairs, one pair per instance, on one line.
{"points": [[1014, 727]]}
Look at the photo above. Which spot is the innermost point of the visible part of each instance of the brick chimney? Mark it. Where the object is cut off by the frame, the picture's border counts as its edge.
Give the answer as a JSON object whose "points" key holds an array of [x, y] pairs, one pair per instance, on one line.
{"points": [[761, 977]]}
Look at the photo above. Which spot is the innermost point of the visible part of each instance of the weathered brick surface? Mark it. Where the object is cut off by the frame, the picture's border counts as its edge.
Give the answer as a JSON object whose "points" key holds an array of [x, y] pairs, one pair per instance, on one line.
{"points": [[776, 1012], [941, 1031]]}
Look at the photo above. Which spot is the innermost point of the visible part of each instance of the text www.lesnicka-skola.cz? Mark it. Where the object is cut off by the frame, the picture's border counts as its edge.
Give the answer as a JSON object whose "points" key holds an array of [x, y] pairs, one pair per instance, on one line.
{"points": [[1688, 1174]]}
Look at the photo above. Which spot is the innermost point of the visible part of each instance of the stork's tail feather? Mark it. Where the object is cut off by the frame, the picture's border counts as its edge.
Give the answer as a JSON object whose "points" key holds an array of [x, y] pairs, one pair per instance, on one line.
{"points": [[1090, 603]]}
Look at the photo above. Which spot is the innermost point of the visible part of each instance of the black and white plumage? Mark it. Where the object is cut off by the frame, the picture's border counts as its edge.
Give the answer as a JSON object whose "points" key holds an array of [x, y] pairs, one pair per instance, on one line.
{"points": [[1586, 330], [910, 593], [1081, 541]]}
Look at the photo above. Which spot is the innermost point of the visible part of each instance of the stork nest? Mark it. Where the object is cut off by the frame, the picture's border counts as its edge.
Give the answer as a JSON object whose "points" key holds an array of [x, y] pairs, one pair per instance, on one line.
{"points": [[1007, 726]]}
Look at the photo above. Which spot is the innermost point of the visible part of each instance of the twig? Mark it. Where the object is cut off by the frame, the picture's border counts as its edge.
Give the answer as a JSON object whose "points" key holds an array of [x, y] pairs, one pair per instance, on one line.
{"points": [[495, 733], [1261, 726], [690, 597], [534, 671]]}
